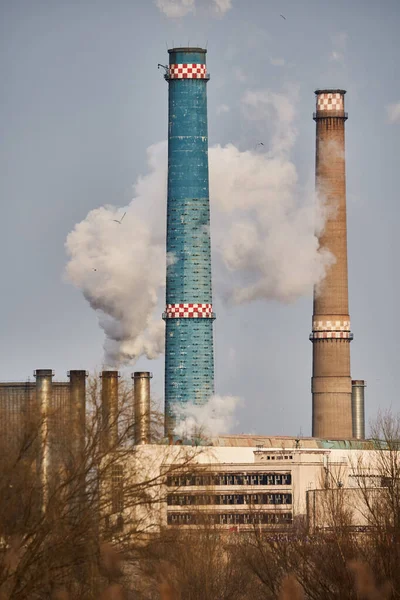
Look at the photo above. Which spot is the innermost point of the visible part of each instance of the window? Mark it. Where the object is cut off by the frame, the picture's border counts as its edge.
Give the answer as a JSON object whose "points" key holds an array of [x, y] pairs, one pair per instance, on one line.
{"points": [[117, 488]]}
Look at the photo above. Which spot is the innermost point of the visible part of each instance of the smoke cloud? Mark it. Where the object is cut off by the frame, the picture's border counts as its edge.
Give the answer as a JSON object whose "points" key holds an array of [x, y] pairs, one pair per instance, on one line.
{"points": [[393, 113], [264, 223], [120, 267], [263, 236], [211, 419], [175, 9], [222, 6]]}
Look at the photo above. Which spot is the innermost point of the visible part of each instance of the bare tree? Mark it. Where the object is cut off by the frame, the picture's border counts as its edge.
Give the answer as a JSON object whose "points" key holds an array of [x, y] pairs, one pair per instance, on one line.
{"points": [[88, 494], [202, 564]]}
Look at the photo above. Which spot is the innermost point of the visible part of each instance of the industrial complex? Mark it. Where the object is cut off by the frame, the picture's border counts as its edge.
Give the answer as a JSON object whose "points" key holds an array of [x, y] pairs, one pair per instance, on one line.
{"points": [[234, 480]]}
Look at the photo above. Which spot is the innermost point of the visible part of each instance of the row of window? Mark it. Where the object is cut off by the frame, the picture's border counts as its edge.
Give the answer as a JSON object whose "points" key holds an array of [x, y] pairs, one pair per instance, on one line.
{"points": [[230, 479], [276, 456], [227, 499], [230, 518]]}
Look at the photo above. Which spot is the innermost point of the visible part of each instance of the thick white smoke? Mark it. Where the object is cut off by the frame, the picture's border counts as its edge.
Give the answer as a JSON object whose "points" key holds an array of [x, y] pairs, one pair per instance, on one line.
{"points": [[264, 223], [120, 267], [176, 9], [215, 417], [263, 236], [222, 6]]}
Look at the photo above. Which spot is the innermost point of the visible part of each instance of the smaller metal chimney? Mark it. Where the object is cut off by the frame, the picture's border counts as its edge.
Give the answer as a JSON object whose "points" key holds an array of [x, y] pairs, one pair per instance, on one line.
{"points": [[357, 408], [109, 409], [77, 388], [141, 390], [44, 384]]}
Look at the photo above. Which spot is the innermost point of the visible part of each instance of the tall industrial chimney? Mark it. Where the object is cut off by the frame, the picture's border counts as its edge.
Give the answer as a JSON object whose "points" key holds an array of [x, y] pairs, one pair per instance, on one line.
{"points": [[141, 391], [189, 360], [77, 387], [358, 408], [44, 383], [109, 409], [331, 336]]}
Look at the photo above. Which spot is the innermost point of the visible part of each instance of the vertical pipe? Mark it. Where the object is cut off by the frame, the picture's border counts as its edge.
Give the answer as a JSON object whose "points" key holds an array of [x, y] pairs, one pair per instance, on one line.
{"points": [[358, 408], [77, 387], [189, 359], [44, 382], [109, 406], [331, 335], [141, 390]]}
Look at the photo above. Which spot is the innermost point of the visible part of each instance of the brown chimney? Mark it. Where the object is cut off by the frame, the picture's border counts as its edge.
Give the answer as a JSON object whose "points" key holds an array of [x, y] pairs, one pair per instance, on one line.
{"points": [[77, 389], [331, 336], [44, 385], [109, 409], [141, 383]]}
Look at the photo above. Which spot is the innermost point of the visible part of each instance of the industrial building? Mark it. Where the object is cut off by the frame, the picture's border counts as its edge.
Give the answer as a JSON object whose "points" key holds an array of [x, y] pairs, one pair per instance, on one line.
{"points": [[243, 481], [238, 480], [230, 481]]}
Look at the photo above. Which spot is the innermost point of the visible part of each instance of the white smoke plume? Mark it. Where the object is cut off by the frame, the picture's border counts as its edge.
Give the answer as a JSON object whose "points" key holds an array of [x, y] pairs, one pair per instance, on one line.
{"points": [[263, 236], [265, 224], [211, 419], [176, 9], [120, 267], [222, 6], [393, 113]]}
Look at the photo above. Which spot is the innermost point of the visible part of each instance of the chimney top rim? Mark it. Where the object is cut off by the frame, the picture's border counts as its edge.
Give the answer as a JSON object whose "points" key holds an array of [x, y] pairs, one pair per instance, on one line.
{"points": [[329, 91], [145, 374], [186, 49], [109, 374]]}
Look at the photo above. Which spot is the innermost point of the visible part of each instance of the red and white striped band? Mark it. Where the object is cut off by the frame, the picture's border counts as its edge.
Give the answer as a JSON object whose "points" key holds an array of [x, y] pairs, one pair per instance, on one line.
{"points": [[189, 311], [187, 71]]}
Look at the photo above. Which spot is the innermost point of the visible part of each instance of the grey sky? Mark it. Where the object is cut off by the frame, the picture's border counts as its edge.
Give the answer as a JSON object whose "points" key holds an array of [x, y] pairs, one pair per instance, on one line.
{"points": [[82, 100]]}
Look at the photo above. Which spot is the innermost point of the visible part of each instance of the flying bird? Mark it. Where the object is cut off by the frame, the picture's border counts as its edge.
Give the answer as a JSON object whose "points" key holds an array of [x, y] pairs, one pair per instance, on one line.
{"points": [[120, 221], [259, 144], [283, 17]]}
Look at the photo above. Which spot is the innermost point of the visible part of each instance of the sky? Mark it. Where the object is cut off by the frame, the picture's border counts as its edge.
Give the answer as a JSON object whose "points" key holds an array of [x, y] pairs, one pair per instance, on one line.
{"points": [[83, 123]]}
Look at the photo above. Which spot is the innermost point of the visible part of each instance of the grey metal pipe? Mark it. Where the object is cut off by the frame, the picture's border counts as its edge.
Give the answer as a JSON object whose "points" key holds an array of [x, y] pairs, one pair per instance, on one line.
{"points": [[358, 408], [44, 383], [109, 409], [77, 388], [141, 391]]}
